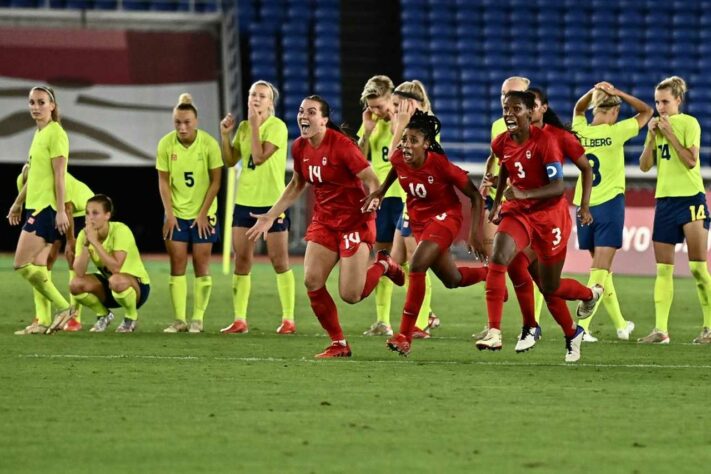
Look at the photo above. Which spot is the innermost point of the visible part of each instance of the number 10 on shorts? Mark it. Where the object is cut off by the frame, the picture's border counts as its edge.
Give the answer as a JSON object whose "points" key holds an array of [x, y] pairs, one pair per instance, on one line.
{"points": [[351, 239]]}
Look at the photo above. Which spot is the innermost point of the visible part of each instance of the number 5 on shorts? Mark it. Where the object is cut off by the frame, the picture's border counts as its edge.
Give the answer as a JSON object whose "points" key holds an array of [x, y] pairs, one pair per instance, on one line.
{"points": [[698, 212]]}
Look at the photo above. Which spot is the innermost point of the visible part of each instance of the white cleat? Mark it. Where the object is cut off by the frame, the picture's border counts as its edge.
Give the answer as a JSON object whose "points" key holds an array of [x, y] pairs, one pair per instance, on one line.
{"points": [[195, 327], [588, 337], [572, 345], [528, 338], [102, 322], [379, 328], [587, 308], [491, 342], [625, 332], [655, 337], [481, 334]]}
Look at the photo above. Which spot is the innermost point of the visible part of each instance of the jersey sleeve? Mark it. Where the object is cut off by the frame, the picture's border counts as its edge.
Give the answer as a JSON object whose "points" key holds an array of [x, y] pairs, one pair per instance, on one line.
{"points": [[352, 156], [497, 145], [275, 133], [81, 239], [550, 149], [214, 154], [59, 144], [242, 128], [124, 240], [572, 147], [162, 156], [626, 129], [692, 134], [457, 176], [296, 156]]}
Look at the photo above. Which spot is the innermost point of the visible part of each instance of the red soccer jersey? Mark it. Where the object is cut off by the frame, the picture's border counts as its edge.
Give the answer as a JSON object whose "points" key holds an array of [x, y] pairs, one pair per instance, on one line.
{"points": [[331, 169], [430, 188], [569, 146], [526, 165]]}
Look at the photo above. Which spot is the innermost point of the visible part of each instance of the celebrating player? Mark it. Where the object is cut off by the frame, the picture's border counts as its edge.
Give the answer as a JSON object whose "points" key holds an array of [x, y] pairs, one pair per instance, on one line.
{"points": [[121, 281], [189, 166], [332, 164], [262, 141], [604, 140], [673, 143]]}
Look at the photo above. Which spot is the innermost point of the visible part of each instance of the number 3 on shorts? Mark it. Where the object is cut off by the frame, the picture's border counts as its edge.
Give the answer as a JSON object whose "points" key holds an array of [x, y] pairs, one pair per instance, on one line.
{"points": [[352, 238], [556, 240], [698, 212]]}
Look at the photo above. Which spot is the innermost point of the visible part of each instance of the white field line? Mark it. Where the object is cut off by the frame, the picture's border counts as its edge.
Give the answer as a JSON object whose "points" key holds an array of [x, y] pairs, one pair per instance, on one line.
{"points": [[355, 361]]}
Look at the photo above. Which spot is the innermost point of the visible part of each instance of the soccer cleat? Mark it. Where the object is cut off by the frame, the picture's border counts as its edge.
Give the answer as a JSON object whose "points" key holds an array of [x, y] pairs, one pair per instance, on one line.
{"points": [[102, 322], [399, 343], [128, 325], [481, 334], [195, 327], [72, 325], [34, 328], [418, 333], [528, 338], [587, 308], [336, 349], [572, 345], [703, 338], [491, 342], [60, 319], [433, 322], [287, 326], [238, 326], [393, 270], [176, 326], [588, 337], [655, 337], [625, 332], [379, 328]]}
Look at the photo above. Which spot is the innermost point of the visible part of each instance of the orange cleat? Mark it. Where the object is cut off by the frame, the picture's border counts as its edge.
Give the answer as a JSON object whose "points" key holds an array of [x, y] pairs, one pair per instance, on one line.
{"points": [[336, 349], [399, 343], [72, 325], [287, 327], [238, 326]]}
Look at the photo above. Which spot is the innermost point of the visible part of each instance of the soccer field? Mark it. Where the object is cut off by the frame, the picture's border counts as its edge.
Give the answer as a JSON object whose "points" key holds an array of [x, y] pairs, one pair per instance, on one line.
{"points": [[153, 402]]}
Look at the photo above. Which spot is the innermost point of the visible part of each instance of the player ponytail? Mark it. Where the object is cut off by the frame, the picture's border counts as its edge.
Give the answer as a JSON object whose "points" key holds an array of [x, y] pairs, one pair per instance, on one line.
{"points": [[602, 101], [415, 90], [676, 85], [50, 92], [106, 203], [429, 125], [185, 102]]}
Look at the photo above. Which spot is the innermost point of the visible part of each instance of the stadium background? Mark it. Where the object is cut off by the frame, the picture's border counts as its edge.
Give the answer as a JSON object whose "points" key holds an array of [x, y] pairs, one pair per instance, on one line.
{"points": [[119, 66]]}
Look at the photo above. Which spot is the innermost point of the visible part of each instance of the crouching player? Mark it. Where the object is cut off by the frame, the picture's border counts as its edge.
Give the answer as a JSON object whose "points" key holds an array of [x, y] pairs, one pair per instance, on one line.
{"points": [[122, 280]]}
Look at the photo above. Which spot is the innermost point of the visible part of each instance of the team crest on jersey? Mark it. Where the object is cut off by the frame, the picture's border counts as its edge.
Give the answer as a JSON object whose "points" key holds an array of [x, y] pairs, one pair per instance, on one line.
{"points": [[430, 179], [528, 154], [324, 160], [173, 157]]}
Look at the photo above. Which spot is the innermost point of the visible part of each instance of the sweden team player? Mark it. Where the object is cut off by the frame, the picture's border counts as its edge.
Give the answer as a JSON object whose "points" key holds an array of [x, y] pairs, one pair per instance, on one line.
{"points": [[189, 167], [261, 144]]}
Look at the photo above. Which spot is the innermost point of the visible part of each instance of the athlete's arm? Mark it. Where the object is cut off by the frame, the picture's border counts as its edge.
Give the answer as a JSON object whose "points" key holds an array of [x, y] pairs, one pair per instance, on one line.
{"points": [[81, 262], [14, 216], [649, 154], [475, 242], [230, 154], [644, 111], [201, 221], [171, 223], [688, 156], [112, 261], [554, 188], [71, 239], [501, 185], [59, 165], [406, 109], [373, 200], [368, 126], [367, 175], [583, 103], [264, 221], [583, 164]]}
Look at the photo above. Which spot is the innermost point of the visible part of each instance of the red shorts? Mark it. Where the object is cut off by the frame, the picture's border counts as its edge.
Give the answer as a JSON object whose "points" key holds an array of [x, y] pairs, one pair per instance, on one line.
{"points": [[545, 230], [344, 243], [442, 230]]}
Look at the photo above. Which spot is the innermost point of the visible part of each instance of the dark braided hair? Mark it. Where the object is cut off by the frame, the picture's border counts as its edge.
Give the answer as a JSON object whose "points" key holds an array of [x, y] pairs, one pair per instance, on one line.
{"points": [[528, 98], [429, 125], [550, 117]]}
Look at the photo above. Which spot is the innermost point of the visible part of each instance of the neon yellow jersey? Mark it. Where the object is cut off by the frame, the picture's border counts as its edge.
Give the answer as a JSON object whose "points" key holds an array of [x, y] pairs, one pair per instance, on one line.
{"points": [[78, 194], [49, 143], [189, 169], [604, 148], [120, 238], [262, 185], [674, 178], [378, 151], [497, 128]]}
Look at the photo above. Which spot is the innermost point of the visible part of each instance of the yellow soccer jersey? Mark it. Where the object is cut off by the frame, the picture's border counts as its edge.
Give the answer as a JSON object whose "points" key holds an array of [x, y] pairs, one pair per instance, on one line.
{"points": [[674, 178], [261, 186], [119, 238], [497, 128], [189, 169], [49, 143], [378, 151], [604, 148], [78, 194]]}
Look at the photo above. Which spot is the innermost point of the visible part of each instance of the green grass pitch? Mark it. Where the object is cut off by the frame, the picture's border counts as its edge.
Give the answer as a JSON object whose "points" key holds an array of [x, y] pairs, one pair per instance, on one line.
{"points": [[153, 402]]}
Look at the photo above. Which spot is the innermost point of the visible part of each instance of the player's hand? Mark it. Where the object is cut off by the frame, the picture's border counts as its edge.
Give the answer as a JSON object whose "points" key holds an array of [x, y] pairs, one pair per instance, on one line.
{"points": [[169, 225], [227, 124], [476, 247], [203, 226], [405, 110], [261, 227], [495, 214], [488, 182], [91, 234], [372, 202], [14, 216], [653, 125], [512, 192], [664, 126], [61, 221], [584, 215], [368, 122], [607, 87], [254, 116], [69, 252]]}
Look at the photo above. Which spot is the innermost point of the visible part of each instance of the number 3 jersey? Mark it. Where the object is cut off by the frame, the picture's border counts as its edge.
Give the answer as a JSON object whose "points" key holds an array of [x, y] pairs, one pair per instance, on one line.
{"points": [[527, 166], [430, 188], [332, 170]]}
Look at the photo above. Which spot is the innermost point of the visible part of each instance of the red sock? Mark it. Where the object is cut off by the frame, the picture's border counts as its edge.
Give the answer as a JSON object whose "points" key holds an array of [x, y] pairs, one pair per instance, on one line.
{"points": [[523, 285], [559, 309], [472, 275], [375, 271], [495, 290], [325, 310], [413, 303], [572, 290]]}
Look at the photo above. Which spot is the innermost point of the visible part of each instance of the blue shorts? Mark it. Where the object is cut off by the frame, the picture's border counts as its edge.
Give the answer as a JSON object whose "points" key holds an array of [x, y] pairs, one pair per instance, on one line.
{"points": [[241, 218], [672, 213], [387, 217], [488, 203], [190, 235], [111, 302], [607, 227], [403, 225], [43, 224]]}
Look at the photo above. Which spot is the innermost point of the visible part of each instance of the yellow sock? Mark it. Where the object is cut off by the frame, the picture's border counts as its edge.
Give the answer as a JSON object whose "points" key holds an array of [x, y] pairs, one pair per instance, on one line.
{"points": [[287, 293], [537, 302], [598, 276], [202, 287], [127, 300], [424, 316], [39, 278], [383, 299], [703, 288], [241, 286], [178, 285], [72, 299], [92, 302], [43, 308], [663, 295], [609, 299]]}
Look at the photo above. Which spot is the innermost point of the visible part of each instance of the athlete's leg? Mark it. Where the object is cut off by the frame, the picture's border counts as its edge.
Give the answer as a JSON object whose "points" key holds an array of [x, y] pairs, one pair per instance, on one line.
{"points": [[696, 241], [202, 286], [278, 251], [178, 284], [318, 264]]}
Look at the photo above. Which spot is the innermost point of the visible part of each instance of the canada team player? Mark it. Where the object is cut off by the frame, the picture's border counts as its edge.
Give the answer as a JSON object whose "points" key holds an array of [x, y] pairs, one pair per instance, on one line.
{"points": [[325, 158], [261, 144], [430, 180], [189, 165], [681, 212], [604, 139], [121, 281]]}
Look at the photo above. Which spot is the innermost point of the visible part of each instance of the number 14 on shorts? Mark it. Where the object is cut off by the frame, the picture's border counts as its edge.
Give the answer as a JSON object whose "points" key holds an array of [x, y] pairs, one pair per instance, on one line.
{"points": [[698, 212]]}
